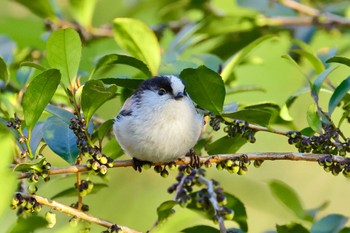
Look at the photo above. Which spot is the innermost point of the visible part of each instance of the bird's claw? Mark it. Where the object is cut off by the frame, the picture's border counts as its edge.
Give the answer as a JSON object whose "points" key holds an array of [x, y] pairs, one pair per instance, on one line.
{"points": [[194, 159]]}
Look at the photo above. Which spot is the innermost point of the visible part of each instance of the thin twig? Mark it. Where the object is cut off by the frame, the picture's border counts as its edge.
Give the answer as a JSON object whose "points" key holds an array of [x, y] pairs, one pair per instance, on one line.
{"points": [[74, 212], [293, 156]]}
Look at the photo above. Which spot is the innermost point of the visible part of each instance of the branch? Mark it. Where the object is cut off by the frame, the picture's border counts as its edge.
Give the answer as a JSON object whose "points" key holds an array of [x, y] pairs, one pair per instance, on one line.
{"points": [[294, 156], [74, 212]]}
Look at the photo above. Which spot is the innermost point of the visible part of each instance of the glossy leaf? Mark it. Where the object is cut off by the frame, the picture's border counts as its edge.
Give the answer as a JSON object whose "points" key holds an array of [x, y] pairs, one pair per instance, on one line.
{"points": [[29, 224], [95, 93], [37, 136], [291, 228], [4, 73], [63, 50], [338, 95], [240, 214], [165, 210], [289, 198], [239, 57], [313, 59], [114, 59], [103, 130], [226, 145], [38, 95], [259, 117], [35, 164], [61, 139], [201, 229], [41, 8], [139, 40], [73, 192], [205, 87], [82, 11], [129, 83], [320, 79], [341, 60], [332, 223], [64, 115], [314, 119]]}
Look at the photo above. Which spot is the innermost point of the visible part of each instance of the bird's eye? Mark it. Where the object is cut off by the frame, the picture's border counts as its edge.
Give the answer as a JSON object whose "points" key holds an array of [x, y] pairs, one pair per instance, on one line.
{"points": [[161, 91]]}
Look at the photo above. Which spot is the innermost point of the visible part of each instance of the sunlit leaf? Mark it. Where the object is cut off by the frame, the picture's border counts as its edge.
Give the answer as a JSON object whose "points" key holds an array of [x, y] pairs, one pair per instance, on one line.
{"points": [[82, 11], [4, 73], [291, 228], [341, 60], [259, 117], [35, 164], [338, 95], [95, 93], [289, 198], [61, 139], [240, 214], [313, 59], [73, 192], [33, 65], [63, 50], [205, 87], [239, 57], [314, 119], [41, 8], [103, 130], [329, 224], [114, 59], [226, 145], [139, 40], [165, 210], [38, 95], [320, 79]]}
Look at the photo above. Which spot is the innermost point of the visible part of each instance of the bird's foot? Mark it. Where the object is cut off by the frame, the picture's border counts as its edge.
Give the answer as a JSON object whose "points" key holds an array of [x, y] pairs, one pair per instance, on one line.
{"points": [[194, 159], [139, 164]]}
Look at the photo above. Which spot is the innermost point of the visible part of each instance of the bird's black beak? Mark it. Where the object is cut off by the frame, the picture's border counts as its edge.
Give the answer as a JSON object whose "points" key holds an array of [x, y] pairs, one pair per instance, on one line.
{"points": [[179, 95]]}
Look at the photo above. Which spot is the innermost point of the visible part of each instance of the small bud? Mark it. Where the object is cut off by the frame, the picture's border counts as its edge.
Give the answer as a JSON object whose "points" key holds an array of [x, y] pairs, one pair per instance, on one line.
{"points": [[73, 221], [103, 160], [164, 173], [242, 171], [51, 219], [219, 166], [228, 214], [229, 163], [103, 169], [257, 163], [32, 188], [146, 166], [158, 169], [172, 166]]}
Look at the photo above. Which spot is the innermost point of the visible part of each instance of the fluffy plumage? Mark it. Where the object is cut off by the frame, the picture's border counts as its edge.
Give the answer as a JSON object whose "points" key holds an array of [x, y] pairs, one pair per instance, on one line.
{"points": [[159, 122]]}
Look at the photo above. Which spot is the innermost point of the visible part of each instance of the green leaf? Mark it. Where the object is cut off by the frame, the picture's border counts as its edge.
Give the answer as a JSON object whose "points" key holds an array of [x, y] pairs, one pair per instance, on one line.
{"points": [[240, 214], [259, 117], [103, 130], [123, 82], [205, 87], [82, 11], [41, 8], [291, 228], [38, 95], [338, 95], [341, 60], [32, 165], [33, 65], [63, 50], [320, 79], [314, 119], [72, 192], [226, 145], [332, 223], [112, 149], [95, 93], [239, 57], [200, 229], [313, 59], [61, 139], [165, 210], [28, 224], [139, 40], [4, 72], [64, 115], [289, 198], [345, 230], [113, 59]]}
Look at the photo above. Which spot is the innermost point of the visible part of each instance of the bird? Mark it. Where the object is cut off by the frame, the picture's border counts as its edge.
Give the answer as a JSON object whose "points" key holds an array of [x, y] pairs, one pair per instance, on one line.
{"points": [[158, 122]]}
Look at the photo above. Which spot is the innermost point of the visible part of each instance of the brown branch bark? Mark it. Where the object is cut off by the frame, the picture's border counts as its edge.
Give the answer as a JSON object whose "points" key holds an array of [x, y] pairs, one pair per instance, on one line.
{"points": [[77, 213], [293, 156]]}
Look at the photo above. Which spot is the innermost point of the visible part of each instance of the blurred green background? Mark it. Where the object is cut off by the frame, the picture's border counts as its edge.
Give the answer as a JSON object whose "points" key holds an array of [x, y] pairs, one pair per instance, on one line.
{"points": [[132, 198]]}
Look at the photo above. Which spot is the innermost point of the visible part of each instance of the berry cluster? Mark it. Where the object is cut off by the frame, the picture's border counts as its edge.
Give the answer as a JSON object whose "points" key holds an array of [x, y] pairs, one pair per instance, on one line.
{"points": [[35, 171], [98, 161], [113, 229], [85, 187], [326, 143], [237, 165], [25, 205], [15, 123], [84, 207], [187, 180], [162, 170], [234, 128], [330, 165]]}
